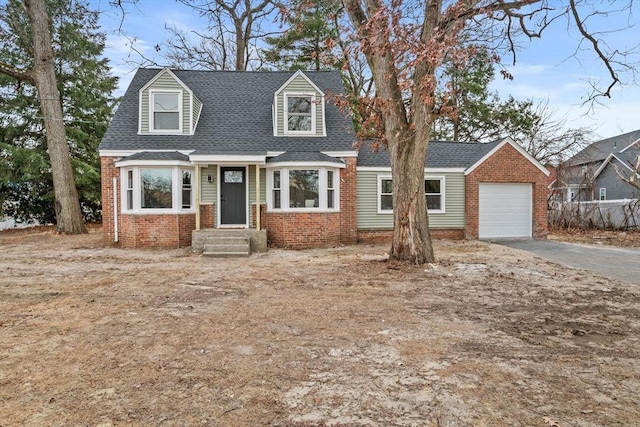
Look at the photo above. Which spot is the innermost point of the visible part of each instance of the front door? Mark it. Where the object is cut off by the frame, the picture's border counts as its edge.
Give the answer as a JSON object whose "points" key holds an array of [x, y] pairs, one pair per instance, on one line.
{"points": [[233, 196]]}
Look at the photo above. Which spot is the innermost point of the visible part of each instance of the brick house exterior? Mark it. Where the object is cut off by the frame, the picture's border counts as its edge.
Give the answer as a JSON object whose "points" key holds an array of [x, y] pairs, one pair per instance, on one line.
{"points": [[201, 150]]}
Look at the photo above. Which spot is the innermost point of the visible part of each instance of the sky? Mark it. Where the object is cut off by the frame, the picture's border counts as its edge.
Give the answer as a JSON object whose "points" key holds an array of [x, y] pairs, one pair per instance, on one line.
{"points": [[546, 69]]}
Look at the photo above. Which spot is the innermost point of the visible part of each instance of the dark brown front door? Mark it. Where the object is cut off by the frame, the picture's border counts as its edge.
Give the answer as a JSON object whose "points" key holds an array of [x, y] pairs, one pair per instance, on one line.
{"points": [[233, 196]]}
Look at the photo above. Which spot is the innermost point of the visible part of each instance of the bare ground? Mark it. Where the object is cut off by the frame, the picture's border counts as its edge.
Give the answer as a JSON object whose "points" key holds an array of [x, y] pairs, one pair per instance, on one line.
{"points": [[490, 336]]}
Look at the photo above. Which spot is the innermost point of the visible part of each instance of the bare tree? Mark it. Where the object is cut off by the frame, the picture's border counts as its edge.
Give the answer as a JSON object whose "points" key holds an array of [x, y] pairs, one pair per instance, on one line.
{"points": [[406, 43], [229, 41], [42, 75], [632, 175], [549, 139]]}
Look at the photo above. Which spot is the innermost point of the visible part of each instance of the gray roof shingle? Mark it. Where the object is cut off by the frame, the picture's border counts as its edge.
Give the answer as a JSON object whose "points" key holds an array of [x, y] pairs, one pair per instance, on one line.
{"points": [[303, 156], [158, 155], [236, 115], [441, 154], [600, 150]]}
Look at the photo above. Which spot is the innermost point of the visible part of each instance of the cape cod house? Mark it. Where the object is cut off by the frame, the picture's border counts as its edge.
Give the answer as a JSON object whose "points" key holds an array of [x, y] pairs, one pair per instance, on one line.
{"points": [[193, 153]]}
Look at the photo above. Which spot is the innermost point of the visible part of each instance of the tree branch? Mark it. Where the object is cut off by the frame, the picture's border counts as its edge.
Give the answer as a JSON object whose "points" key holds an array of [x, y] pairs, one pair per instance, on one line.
{"points": [[22, 75], [596, 47]]}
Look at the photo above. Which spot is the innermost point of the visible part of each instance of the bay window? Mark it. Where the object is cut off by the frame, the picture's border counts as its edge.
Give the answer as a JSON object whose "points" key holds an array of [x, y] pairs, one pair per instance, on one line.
{"points": [[162, 189], [301, 188]]}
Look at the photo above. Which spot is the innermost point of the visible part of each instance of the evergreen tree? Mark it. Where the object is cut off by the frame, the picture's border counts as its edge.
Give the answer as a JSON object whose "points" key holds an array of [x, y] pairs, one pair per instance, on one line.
{"points": [[85, 86], [481, 116], [311, 39]]}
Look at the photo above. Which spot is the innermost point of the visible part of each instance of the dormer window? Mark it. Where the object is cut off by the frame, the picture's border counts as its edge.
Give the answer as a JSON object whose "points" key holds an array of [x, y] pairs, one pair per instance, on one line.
{"points": [[300, 113], [166, 111]]}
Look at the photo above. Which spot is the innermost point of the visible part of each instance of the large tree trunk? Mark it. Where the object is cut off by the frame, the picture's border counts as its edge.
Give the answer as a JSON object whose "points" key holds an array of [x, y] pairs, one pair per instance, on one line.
{"points": [[407, 140], [411, 236], [67, 206]]}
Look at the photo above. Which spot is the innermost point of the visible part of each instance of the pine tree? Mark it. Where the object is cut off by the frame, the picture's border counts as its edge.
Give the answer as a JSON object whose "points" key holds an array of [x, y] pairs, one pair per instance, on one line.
{"points": [[85, 86], [309, 42]]}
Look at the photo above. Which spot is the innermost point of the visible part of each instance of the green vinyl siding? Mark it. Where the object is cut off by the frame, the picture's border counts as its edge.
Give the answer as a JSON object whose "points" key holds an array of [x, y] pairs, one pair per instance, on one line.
{"points": [[197, 106], [165, 82], [252, 188], [208, 190], [144, 111], [367, 202], [300, 85]]}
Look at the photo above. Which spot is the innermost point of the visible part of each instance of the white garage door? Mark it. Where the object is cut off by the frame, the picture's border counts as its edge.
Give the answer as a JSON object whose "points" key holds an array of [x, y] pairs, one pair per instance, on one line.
{"points": [[505, 210]]}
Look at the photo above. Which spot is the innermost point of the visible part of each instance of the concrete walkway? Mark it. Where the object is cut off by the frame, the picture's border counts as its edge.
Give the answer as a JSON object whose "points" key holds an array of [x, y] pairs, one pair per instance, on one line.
{"points": [[615, 263]]}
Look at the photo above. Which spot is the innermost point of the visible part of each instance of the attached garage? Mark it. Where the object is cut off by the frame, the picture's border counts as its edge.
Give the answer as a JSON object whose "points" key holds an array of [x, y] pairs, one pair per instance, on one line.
{"points": [[505, 210]]}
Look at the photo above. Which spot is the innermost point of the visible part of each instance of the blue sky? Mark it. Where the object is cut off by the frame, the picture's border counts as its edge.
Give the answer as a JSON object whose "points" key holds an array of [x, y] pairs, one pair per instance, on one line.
{"points": [[545, 68]]}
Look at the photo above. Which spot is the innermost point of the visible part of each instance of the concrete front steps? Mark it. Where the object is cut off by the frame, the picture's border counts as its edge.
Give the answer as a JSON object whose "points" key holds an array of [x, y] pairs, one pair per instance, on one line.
{"points": [[228, 242], [227, 247]]}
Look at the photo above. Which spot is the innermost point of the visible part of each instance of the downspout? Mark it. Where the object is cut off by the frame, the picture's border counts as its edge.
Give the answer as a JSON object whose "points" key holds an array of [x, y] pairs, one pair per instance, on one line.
{"points": [[115, 209], [197, 201], [257, 197]]}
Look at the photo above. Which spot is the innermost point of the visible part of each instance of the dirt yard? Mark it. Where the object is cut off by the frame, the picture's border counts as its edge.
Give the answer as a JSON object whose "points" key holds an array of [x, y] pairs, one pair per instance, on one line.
{"points": [[490, 336]]}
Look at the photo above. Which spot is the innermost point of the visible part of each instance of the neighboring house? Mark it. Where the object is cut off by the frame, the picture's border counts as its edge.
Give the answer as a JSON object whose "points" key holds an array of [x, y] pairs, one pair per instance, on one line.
{"points": [[592, 174], [268, 152]]}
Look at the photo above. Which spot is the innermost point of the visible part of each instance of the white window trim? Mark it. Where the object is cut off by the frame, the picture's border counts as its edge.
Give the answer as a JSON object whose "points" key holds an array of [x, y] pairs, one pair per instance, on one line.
{"points": [[602, 191], [426, 177], [152, 129], [379, 195], [322, 189], [176, 191], [442, 194], [286, 113]]}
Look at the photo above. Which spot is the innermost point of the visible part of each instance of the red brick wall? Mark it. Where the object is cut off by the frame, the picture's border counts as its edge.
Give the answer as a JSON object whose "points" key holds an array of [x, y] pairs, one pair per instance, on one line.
{"points": [[207, 216], [109, 171], [385, 236], [348, 203], [301, 230], [505, 166], [157, 231]]}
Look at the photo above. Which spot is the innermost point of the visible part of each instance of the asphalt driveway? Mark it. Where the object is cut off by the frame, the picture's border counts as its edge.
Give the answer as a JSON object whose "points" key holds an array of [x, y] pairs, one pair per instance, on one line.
{"points": [[615, 263]]}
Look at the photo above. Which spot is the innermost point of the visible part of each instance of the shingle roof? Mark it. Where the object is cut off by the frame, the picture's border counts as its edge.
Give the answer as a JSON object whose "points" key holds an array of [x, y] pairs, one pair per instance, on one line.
{"points": [[599, 150], [236, 114], [441, 154], [158, 155], [303, 156]]}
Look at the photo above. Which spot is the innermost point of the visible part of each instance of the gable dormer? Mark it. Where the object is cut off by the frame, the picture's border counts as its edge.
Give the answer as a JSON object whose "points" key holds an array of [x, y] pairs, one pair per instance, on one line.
{"points": [[299, 108], [167, 106]]}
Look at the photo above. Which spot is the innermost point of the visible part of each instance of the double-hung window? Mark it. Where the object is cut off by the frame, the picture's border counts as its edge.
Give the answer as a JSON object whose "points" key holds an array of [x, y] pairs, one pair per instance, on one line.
{"points": [[129, 190], [187, 175], [433, 190], [433, 193], [603, 194], [277, 191], [165, 111], [331, 190], [300, 114], [300, 188]]}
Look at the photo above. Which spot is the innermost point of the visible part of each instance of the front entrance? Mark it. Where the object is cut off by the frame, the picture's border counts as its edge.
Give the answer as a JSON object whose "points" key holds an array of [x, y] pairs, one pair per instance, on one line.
{"points": [[233, 195]]}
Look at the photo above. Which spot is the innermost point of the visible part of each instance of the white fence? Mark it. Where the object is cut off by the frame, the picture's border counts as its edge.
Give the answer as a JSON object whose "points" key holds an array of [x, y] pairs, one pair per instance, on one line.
{"points": [[606, 214]]}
